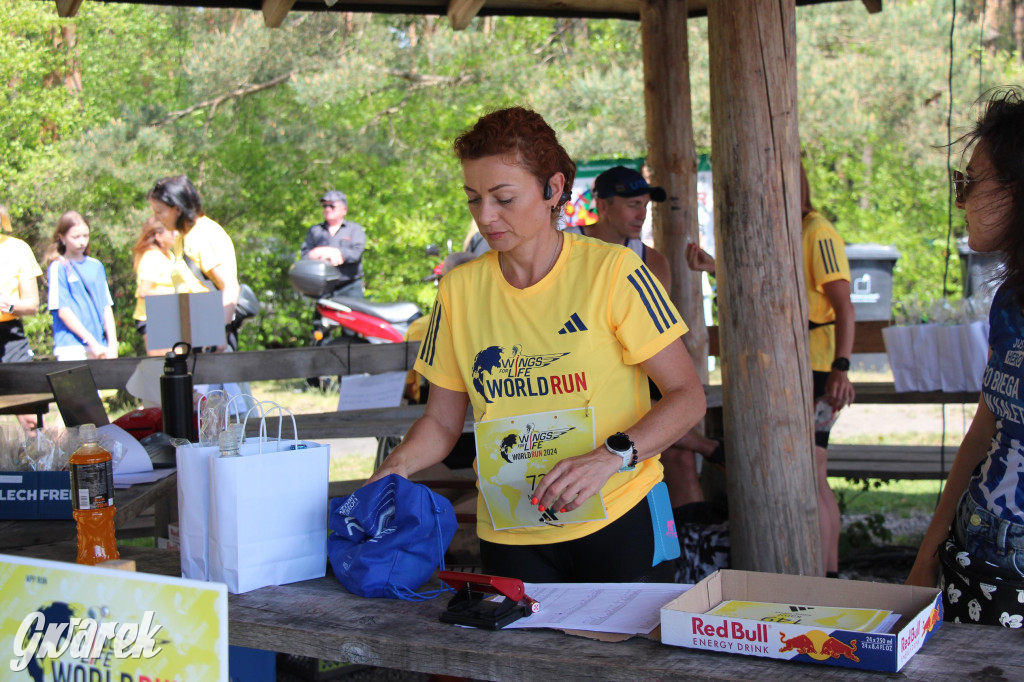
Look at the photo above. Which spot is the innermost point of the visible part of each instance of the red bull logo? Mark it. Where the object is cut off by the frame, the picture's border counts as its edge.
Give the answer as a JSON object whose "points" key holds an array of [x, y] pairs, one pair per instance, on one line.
{"points": [[731, 636], [819, 646]]}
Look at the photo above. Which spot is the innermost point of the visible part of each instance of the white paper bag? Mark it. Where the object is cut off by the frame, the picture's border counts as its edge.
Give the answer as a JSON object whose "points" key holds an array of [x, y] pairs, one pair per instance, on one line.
{"points": [[193, 464], [268, 513], [926, 356], [900, 349], [950, 361], [974, 346]]}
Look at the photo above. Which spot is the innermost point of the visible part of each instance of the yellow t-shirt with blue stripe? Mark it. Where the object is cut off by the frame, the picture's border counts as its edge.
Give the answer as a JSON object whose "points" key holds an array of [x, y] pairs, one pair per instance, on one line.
{"points": [[824, 262], [575, 339]]}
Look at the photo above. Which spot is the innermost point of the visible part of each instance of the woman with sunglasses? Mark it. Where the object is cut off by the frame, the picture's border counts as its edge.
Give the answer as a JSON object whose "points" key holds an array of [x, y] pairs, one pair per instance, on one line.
{"points": [[551, 337], [978, 527]]}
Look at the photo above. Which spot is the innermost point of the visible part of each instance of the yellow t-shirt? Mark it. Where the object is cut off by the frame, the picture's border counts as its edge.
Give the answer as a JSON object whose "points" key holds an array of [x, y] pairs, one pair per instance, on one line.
{"points": [[575, 339], [155, 267], [824, 262], [209, 246], [17, 262], [417, 330]]}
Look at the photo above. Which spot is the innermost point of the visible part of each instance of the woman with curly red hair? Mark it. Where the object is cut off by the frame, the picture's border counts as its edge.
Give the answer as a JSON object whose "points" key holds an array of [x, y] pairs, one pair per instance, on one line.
{"points": [[551, 337]]}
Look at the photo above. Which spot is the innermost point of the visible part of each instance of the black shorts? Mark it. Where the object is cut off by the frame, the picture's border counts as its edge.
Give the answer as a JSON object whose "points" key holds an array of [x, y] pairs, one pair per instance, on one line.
{"points": [[820, 379], [13, 344], [621, 552]]}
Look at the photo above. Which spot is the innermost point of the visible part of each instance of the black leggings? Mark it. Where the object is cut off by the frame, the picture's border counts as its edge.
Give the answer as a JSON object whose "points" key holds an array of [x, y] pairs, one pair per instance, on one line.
{"points": [[621, 552]]}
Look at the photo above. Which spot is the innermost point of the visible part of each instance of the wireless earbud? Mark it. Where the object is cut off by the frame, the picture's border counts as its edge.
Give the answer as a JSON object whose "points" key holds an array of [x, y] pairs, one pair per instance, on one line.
{"points": [[547, 190]]}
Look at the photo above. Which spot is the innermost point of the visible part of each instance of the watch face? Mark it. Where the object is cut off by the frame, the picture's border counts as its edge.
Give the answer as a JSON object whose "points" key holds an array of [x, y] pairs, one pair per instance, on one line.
{"points": [[620, 442]]}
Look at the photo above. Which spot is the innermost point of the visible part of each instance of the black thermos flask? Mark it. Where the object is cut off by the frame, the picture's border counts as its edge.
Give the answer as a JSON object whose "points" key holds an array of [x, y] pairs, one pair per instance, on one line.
{"points": [[176, 394]]}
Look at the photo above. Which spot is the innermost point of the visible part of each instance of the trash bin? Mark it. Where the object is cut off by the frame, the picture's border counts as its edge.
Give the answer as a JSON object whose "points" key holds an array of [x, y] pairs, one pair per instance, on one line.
{"points": [[871, 268], [978, 271]]}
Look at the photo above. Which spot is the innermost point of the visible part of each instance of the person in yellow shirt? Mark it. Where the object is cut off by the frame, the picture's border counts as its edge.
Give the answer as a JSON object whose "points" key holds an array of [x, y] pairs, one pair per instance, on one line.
{"points": [[154, 267], [551, 337], [19, 297]]}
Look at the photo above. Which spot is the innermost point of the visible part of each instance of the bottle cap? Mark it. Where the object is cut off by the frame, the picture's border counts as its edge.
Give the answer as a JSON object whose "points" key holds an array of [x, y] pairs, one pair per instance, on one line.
{"points": [[87, 433]]}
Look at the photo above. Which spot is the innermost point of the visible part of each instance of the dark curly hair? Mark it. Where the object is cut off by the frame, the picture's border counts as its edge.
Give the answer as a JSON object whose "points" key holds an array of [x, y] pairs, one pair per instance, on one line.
{"points": [[179, 191], [521, 133], [1001, 129]]}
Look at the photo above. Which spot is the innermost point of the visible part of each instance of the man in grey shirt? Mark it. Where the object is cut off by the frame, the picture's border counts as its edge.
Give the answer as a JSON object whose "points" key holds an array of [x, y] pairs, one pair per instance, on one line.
{"points": [[340, 242]]}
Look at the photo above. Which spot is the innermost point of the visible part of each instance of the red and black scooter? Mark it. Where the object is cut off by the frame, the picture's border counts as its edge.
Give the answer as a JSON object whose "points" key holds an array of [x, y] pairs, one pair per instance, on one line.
{"points": [[341, 319]]}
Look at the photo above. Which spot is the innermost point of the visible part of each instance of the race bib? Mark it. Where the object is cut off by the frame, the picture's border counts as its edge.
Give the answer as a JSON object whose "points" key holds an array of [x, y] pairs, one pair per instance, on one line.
{"points": [[514, 454]]}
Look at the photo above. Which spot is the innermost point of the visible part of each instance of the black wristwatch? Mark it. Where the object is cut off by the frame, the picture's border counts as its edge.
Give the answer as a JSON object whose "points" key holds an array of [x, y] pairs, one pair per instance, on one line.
{"points": [[842, 364], [10, 308], [621, 445]]}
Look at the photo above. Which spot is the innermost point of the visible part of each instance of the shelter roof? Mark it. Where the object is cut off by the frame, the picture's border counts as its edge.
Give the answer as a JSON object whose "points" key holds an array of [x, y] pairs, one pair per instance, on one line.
{"points": [[459, 12]]}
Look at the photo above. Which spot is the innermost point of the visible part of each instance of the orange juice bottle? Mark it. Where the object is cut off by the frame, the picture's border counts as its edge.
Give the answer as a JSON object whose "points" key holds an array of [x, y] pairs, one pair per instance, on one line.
{"points": [[92, 493]]}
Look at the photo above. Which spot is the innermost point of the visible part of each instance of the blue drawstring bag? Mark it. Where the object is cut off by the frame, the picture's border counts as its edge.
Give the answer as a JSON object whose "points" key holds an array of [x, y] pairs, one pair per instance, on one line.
{"points": [[388, 538]]}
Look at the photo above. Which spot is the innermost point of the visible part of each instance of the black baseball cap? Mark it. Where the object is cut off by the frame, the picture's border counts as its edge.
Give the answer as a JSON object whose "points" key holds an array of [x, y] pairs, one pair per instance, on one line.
{"points": [[619, 181], [334, 195]]}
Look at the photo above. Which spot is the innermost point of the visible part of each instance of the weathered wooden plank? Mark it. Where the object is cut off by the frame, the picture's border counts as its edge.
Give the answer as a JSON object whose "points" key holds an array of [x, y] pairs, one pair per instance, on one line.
{"points": [[319, 618], [215, 368], [867, 337], [385, 421]]}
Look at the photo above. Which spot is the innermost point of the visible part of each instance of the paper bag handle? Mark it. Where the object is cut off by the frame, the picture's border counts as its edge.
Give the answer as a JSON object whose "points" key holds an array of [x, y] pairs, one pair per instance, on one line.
{"points": [[282, 411]]}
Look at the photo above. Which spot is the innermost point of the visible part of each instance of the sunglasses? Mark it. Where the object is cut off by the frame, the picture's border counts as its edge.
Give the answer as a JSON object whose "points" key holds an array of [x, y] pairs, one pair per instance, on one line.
{"points": [[960, 184]]}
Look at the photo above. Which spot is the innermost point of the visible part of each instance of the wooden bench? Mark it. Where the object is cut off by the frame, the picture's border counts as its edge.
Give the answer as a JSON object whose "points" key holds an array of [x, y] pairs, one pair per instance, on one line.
{"points": [[890, 461]]}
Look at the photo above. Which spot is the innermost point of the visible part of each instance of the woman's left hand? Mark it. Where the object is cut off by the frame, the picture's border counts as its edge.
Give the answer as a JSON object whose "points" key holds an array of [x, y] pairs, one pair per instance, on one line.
{"points": [[574, 480]]}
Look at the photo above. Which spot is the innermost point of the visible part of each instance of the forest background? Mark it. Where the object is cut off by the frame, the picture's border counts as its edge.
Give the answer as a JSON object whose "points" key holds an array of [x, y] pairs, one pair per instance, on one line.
{"points": [[264, 121]]}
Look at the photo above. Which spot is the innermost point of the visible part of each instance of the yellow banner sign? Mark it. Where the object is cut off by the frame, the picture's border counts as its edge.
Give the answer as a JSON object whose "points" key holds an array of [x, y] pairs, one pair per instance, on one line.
{"points": [[64, 621]]}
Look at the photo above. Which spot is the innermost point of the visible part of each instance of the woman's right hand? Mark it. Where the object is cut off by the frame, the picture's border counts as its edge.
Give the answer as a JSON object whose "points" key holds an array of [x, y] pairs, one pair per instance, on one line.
{"points": [[698, 259]]}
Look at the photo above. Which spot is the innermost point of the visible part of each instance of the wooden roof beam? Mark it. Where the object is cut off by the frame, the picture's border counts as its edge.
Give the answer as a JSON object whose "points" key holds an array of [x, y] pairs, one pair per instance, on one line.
{"points": [[68, 8], [461, 12], [274, 12], [873, 6]]}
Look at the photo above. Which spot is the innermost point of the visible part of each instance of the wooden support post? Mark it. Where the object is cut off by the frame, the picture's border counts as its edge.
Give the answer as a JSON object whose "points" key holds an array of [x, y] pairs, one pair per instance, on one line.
{"points": [[274, 12], [672, 158], [68, 8], [461, 12], [766, 372]]}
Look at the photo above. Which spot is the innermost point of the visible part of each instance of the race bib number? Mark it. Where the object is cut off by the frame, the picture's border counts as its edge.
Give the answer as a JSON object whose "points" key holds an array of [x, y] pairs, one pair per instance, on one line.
{"points": [[514, 454]]}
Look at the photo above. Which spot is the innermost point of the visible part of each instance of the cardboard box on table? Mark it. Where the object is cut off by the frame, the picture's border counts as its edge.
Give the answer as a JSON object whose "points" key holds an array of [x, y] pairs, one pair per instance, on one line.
{"points": [[684, 621], [35, 495]]}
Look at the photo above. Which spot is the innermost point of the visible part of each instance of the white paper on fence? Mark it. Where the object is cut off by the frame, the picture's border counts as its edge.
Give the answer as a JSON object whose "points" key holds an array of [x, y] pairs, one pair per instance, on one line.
{"points": [[625, 608], [135, 459], [974, 346], [899, 347], [268, 517], [144, 383], [926, 356], [366, 391], [193, 467], [951, 366], [128, 480]]}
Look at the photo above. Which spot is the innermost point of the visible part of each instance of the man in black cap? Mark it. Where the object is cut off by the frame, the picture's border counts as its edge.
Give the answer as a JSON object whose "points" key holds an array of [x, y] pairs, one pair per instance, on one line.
{"points": [[622, 196], [340, 242]]}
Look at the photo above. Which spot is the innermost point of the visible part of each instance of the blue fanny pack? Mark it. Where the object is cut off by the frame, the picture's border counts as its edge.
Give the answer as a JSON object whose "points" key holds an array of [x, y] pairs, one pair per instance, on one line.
{"points": [[388, 537]]}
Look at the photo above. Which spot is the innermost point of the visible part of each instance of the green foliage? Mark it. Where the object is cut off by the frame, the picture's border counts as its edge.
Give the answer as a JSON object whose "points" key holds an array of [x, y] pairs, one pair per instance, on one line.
{"points": [[264, 121]]}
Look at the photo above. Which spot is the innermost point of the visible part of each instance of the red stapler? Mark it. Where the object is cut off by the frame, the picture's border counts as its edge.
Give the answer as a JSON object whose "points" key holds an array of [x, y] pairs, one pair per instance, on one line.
{"points": [[473, 606]]}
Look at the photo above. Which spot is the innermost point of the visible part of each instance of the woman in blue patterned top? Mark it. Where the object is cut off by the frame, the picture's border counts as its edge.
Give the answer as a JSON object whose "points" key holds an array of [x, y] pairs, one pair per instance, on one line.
{"points": [[981, 512]]}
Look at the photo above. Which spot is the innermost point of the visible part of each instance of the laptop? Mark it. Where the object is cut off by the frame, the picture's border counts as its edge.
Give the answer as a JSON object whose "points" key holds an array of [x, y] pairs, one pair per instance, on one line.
{"points": [[77, 398], [74, 391]]}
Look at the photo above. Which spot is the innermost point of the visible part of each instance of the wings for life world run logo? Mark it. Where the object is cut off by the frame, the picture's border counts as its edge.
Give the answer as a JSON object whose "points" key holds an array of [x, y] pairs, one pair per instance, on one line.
{"points": [[502, 373], [529, 443]]}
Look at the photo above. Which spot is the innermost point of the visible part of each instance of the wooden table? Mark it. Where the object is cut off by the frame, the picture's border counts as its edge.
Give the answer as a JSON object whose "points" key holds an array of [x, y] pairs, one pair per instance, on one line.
{"points": [[130, 502], [27, 403], [319, 618]]}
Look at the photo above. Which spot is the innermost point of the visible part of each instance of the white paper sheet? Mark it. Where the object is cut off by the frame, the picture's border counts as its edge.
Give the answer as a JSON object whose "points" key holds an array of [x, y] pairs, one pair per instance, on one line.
{"points": [[624, 608], [135, 459], [366, 391], [128, 480]]}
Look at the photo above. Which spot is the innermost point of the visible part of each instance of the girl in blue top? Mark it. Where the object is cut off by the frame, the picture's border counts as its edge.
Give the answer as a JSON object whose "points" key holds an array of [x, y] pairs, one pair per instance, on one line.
{"points": [[79, 300], [981, 512]]}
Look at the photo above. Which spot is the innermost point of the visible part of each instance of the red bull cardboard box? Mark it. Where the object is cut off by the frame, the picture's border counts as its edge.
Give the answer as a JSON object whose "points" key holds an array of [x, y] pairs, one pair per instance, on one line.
{"points": [[35, 495], [685, 621]]}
